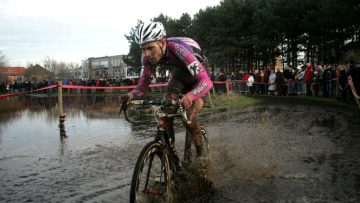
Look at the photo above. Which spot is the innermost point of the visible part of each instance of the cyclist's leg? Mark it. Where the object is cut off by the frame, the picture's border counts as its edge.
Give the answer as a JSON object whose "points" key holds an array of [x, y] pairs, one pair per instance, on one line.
{"points": [[194, 128]]}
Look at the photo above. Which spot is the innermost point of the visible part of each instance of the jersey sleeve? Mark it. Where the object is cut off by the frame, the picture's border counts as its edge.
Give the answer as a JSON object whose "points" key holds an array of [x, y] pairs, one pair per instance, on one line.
{"points": [[195, 68], [144, 81]]}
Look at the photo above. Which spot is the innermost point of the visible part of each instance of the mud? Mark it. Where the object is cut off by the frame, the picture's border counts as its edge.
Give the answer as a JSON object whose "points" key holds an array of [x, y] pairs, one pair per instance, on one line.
{"points": [[274, 153], [285, 154]]}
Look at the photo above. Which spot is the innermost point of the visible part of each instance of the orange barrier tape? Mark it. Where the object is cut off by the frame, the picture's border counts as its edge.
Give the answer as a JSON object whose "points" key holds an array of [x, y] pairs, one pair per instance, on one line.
{"points": [[76, 87], [219, 82], [3, 96], [134, 86], [44, 88], [96, 88], [108, 87]]}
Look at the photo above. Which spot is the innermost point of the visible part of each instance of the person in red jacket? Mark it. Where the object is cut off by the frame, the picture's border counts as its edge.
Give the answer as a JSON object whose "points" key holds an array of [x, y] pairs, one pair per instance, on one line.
{"points": [[309, 79]]}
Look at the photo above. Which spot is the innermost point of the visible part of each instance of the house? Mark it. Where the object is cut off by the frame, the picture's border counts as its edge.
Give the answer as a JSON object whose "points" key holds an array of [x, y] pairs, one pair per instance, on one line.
{"points": [[9, 74], [36, 73]]}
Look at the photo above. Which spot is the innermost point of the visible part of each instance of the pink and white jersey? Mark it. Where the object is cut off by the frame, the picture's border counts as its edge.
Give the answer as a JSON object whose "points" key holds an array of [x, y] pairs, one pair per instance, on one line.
{"points": [[180, 54]]}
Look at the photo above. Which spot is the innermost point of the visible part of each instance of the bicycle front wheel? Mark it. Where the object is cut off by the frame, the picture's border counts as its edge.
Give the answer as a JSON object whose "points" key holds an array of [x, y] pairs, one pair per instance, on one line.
{"points": [[151, 181]]}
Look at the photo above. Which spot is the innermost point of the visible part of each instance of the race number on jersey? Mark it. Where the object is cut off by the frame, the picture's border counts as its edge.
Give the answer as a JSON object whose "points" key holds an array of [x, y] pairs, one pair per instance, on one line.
{"points": [[194, 68]]}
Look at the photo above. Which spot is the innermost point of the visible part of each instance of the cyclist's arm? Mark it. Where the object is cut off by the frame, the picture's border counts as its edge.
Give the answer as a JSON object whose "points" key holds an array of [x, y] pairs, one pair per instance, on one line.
{"points": [[144, 81], [196, 69]]}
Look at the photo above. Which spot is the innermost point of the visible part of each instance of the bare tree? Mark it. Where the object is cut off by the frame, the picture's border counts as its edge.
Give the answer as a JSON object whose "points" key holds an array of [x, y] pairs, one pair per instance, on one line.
{"points": [[74, 70], [50, 64], [3, 60], [60, 69]]}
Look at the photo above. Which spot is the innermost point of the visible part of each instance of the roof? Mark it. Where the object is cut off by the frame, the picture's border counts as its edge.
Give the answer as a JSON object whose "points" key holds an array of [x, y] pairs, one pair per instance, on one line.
{"points": [[38, 72], [13, 70]]}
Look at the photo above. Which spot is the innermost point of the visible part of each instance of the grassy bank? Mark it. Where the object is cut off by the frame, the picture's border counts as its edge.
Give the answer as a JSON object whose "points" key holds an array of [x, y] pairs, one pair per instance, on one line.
{"points": [[241, 101], [236, 101]]}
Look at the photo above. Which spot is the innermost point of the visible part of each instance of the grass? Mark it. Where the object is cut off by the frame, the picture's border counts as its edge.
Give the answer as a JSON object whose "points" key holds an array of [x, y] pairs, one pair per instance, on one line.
{"points": [[235, 101]]}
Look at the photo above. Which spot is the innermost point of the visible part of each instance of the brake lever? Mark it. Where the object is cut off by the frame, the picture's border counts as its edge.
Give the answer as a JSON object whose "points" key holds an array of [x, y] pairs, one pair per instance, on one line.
{"points": [[184, 115]]}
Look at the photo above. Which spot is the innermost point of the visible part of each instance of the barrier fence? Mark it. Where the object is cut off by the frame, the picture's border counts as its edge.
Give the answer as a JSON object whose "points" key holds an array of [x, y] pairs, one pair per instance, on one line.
{"points": [[3, 96], [293, 87]]}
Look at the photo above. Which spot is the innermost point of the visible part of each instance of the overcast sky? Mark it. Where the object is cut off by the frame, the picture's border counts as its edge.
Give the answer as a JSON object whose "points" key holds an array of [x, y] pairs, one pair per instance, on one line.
{"points": [[73, 30]]}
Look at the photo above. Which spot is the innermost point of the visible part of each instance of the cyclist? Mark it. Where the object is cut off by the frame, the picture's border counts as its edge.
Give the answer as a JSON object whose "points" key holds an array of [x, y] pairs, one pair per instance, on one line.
{"points": [[189, 76]]}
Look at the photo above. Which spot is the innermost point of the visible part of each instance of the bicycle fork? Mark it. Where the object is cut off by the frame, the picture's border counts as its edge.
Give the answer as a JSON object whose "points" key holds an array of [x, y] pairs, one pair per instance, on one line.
{"points": [[187, 149]]}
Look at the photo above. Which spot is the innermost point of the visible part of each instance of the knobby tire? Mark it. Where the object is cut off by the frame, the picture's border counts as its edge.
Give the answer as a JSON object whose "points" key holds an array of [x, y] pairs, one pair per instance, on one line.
{"points": [[151, 181]]}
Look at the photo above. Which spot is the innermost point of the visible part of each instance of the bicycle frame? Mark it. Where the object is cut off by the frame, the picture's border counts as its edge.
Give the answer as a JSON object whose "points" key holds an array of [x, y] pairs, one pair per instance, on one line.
{"points": [[160, 115], [162, 147]]}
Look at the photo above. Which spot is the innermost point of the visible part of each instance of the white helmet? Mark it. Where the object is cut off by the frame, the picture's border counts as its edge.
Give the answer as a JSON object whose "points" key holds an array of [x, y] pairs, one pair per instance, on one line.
{"points": [[148, 32]]}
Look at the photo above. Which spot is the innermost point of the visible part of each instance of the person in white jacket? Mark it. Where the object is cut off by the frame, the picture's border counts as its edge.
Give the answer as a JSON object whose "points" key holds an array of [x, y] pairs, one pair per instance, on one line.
{"points": [[250, 83], [272, 84]]}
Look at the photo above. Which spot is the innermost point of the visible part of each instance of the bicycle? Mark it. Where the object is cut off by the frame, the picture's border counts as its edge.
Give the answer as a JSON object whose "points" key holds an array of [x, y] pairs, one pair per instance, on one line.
{"points": [[155, 175]]}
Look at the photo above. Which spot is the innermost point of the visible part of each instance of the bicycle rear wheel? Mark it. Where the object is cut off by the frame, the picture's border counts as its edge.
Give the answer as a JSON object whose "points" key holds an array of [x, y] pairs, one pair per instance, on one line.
{"points": [[151, 181]]}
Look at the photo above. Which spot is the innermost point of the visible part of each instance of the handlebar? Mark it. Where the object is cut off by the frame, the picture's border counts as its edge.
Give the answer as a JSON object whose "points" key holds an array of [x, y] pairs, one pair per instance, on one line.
{"points": [[159, 109]]}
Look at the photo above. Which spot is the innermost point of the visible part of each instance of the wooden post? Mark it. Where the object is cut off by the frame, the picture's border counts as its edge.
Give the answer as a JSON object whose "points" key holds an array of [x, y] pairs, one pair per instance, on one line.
{"points": [[62, 115], [227, 88], [60, 102], [210, 100]]}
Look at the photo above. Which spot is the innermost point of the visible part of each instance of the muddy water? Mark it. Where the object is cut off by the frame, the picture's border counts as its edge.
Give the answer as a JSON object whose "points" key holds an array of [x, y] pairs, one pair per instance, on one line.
{"points": [[286, 154], [267, 154]]}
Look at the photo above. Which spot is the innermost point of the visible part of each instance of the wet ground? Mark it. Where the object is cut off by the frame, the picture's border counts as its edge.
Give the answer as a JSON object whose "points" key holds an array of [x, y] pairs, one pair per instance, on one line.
{"points": [[274, 153], [286, 154]]}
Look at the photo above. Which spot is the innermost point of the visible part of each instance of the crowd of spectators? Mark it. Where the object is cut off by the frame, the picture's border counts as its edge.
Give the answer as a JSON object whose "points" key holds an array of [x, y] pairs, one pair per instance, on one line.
{"points": [[27, 86], [310, 80]]}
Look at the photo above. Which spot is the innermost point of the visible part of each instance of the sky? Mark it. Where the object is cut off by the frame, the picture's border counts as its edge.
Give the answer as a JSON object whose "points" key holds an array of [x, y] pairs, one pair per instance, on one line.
{"points": [[73, 30]]}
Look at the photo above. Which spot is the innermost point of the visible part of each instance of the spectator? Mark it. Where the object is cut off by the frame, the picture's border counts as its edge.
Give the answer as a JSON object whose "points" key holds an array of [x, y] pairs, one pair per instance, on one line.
{"points": [[342, 79], [262, 84], [250, 83], [316, 81], [256, 81], [280, 84], [327, 76], [232, 76], [288, 77], [308, 79], [240, 75], [221, 78], [272, 84], [301, 77]]}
